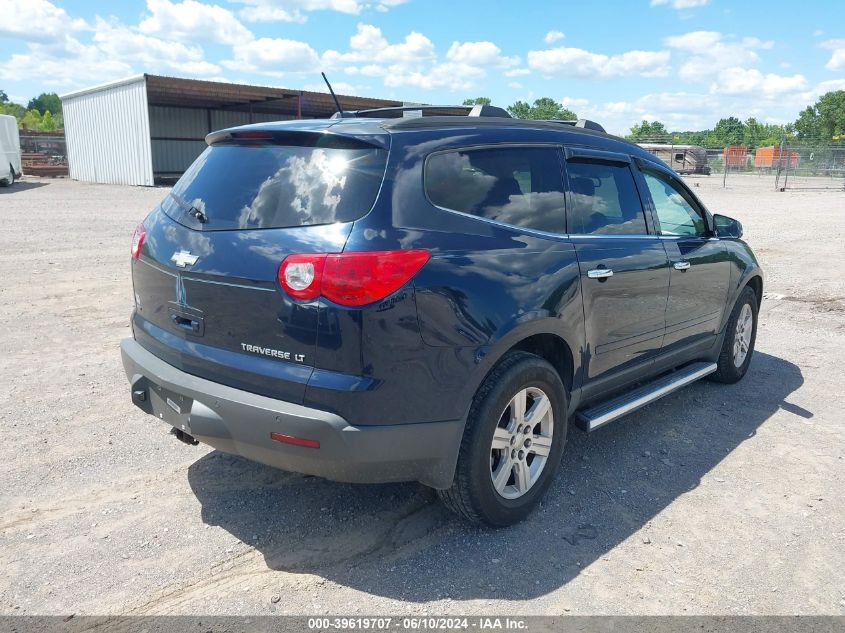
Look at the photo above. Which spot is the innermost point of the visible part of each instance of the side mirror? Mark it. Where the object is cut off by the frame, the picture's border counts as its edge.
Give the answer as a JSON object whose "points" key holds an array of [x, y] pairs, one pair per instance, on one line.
{"points": [[727, 227]]}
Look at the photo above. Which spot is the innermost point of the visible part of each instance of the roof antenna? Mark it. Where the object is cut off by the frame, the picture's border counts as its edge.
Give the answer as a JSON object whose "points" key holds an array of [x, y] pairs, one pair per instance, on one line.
{"points": [[334, 96]]}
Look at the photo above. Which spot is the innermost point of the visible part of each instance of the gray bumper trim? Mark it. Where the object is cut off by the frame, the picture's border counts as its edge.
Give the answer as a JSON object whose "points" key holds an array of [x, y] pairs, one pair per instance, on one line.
{"points": [[240, 422]]}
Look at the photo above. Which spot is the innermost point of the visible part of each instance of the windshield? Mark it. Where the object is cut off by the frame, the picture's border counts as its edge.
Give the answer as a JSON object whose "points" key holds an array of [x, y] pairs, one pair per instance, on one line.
{"points": [[262, 186]]}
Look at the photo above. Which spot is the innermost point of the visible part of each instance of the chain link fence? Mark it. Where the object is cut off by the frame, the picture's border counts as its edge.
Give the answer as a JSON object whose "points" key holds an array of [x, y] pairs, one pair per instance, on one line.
{"points": [[811, 165], [816, 167]]}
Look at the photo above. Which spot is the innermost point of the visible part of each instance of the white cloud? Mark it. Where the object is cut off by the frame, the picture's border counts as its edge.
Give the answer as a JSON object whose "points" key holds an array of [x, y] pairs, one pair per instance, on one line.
{"points": [[295, 10], [553, 36], [386, 5], [812, 95], [274, 56], [369, 46], [479, 54], [837, 58], [114, 51], [193, 21], [685, 110], [117, 41], [576, 62], [750, 81], [264, 13], [679, 111], [454, 77], [680, 4], [573, 103], [64, 63], [36, 20], [708, 53], [413, 62]]}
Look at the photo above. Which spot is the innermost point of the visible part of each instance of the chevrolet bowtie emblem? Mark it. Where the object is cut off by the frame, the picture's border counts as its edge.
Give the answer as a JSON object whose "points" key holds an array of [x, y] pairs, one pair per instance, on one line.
{"points": [[184, 258]]}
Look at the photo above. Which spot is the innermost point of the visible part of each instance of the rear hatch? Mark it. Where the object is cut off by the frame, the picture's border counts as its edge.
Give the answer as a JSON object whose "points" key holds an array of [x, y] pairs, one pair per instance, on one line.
{"points": [[207, 296]]}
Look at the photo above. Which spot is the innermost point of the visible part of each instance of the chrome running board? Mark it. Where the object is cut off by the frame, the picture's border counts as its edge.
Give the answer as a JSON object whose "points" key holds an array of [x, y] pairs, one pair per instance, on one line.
{"points": [[599, 415]]}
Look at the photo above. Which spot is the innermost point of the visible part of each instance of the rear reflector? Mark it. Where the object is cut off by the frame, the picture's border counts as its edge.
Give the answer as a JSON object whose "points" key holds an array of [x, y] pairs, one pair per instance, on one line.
{"points": [[296, 441], [350, 279], [138, 240]]}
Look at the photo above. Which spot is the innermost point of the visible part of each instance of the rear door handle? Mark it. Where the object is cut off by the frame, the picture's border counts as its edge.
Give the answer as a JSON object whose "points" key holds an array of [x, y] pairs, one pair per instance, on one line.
{"points": [[600, 273], [681, 265]]}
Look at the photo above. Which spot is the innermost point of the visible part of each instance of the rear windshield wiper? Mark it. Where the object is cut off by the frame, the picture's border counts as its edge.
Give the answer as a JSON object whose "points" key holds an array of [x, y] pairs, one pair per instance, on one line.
{"points": [[190, 209]]}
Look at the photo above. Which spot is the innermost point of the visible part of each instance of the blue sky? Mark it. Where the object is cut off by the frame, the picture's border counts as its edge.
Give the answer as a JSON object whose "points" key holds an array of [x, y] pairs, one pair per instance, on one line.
{"points": [[685, 62]]}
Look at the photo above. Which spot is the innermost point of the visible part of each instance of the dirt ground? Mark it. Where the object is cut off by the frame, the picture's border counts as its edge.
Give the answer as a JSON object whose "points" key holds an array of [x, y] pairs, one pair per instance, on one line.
{"points": [[715, 500]]}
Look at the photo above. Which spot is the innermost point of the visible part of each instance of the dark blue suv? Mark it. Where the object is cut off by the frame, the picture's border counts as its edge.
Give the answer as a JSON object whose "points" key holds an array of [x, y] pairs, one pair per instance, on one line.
{"points": [[377, 298]]}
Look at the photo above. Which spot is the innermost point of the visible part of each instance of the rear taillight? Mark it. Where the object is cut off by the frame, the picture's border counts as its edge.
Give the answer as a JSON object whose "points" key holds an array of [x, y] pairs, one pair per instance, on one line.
{"points": [[138, 240], [349, 279]]}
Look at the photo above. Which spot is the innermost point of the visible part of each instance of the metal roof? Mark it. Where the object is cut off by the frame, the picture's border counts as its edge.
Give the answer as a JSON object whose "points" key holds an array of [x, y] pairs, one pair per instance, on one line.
{"points": [[218, 95]]}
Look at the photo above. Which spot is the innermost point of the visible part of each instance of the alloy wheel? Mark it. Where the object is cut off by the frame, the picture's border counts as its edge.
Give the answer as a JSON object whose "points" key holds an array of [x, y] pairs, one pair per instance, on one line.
{"points": [[742, 337], [521, 443]]}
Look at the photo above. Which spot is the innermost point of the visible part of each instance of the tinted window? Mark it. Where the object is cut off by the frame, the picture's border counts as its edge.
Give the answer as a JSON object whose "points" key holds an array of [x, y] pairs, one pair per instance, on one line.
{"points": [[261, 186], [604, 200], [675, 213], [521, 186]]}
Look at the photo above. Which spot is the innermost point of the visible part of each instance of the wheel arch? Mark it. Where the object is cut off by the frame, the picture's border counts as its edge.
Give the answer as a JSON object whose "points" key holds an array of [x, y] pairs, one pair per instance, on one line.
{"points": [[755, 282], [551, 347]]}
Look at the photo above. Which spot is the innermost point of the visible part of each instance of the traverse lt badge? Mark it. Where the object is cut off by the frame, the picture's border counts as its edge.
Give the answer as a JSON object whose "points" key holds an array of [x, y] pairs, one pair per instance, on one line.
{"points": [[184, 258]]}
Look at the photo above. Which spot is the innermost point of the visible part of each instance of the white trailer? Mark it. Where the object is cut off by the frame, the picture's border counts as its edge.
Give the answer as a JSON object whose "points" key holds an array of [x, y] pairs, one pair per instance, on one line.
{"points": [[10, 150]]}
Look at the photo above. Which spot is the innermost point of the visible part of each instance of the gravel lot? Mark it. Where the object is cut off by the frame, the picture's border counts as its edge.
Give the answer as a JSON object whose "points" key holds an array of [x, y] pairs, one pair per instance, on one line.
{"points": [[715, 500]]}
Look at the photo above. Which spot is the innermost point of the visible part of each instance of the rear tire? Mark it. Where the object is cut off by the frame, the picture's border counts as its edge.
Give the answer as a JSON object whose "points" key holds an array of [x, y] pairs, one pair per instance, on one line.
{"points": [[10, 179], [740, 335], [512, 444]]}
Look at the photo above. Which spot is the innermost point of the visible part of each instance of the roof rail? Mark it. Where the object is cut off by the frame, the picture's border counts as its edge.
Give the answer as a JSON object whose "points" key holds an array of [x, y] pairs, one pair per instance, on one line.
{"points": [[582, 123], [474, 111]]}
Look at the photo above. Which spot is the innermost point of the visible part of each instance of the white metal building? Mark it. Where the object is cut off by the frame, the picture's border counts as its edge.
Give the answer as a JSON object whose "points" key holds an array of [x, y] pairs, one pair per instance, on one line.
{"points": [[148, 128]]}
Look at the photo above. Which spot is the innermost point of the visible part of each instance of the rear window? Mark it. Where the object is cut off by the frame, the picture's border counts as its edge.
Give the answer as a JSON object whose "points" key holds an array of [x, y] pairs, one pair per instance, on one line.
{"points": [[521, 186], [605, 200], [264, 186]]}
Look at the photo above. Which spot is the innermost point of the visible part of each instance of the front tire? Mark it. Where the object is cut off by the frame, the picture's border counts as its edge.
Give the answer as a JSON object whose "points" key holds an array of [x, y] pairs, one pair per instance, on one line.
{"points": [[740, 336], [512, 444]]}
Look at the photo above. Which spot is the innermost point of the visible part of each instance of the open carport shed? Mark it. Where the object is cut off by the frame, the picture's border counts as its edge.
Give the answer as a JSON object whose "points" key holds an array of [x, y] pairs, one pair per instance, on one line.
{"points": [[148, 128]]}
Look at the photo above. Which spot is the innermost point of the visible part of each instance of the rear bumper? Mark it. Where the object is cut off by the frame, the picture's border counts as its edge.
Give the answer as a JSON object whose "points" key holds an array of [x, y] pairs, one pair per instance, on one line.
{"points": [[240, 422]]}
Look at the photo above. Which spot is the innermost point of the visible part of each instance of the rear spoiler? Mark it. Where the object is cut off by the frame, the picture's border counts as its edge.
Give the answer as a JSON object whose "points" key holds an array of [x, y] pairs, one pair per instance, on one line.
{"points": [[298, 138]]}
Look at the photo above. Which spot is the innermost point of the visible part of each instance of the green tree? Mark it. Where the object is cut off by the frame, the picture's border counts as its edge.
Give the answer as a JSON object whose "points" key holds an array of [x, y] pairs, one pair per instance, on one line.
{"points": [[807, 124], [544, 108], [649, 131], [9, 107], [46, 101], [48, 123], [824, 119], [754, 131], [729, 131], [477, 101], [31, 120], [15, 109]]}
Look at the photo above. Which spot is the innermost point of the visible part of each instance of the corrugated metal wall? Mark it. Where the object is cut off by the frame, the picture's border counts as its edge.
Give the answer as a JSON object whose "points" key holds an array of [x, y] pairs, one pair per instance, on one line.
{"points": [[178, 134], [108, 134]]}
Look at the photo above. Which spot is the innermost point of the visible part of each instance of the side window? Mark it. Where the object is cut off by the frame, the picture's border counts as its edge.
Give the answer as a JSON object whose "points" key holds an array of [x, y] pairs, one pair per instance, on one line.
{"points": [[604, 200], [676, 213], [521, 186]]}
